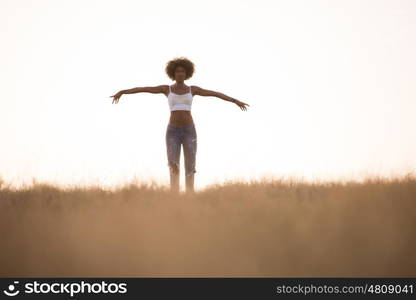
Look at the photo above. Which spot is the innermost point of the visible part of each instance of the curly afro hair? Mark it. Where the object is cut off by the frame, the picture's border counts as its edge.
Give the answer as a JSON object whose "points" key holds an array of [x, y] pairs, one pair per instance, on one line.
{"points": [[180, 61]]}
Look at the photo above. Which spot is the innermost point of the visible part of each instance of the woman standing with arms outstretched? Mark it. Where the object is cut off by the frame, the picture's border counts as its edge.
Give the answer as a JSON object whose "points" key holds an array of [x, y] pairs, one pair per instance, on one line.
{"points": [[181, 128]]}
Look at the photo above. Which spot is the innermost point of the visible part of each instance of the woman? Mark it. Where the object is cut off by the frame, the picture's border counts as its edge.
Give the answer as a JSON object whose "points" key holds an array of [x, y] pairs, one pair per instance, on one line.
{"points": [[181, 127]]}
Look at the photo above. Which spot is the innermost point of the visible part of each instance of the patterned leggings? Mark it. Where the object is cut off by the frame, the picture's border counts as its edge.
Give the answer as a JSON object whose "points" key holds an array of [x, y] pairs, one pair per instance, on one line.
{"points": [[175, 138]]}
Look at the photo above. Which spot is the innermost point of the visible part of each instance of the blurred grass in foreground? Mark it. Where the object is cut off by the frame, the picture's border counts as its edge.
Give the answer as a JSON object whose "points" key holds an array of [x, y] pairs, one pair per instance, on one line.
{"points": [[265, 228]]}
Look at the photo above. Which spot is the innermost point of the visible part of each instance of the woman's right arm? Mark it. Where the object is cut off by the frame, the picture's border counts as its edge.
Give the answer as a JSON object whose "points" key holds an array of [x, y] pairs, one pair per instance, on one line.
{"points": [[147, 89]]}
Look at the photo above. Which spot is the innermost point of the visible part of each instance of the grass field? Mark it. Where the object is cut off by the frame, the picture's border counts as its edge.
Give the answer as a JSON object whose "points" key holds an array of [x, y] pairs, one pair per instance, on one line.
{"points": [[264, 228]]}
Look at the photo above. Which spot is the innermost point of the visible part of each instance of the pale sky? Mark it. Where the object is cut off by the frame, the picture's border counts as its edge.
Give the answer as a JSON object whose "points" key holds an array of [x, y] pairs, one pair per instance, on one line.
{"points": [[330, 84]]}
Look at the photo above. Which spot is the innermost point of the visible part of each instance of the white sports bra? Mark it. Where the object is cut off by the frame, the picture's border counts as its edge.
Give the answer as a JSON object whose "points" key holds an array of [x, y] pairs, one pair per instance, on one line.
{"points": [[180, 102]]}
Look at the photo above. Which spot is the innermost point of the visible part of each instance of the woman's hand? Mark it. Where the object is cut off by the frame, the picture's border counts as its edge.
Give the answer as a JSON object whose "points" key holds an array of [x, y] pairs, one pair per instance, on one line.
{"points": [[116, 97], [241, 104]]}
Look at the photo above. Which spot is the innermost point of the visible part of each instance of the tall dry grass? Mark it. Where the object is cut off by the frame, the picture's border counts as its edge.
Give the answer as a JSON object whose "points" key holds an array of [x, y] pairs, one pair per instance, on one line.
{"points": [[267, 228]]}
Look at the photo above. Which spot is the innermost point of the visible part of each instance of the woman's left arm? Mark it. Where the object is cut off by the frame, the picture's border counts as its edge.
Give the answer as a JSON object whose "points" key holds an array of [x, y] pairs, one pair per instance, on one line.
{"points": [[204, 92]]}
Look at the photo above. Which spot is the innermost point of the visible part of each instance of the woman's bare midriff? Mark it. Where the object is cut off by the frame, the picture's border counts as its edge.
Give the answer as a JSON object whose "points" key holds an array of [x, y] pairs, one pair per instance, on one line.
{"points": [[180, 118]]}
